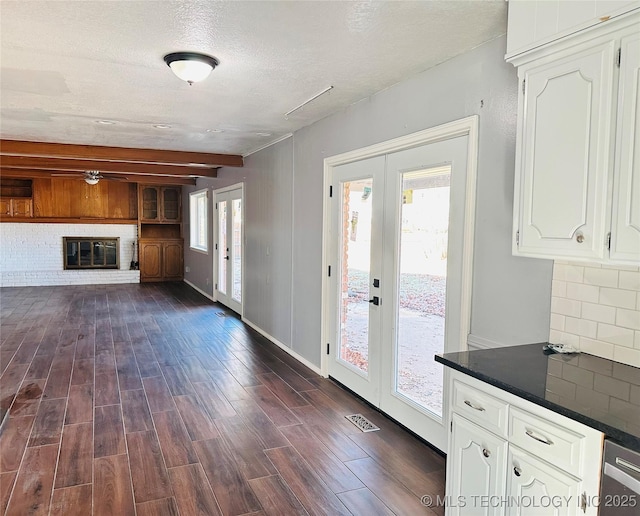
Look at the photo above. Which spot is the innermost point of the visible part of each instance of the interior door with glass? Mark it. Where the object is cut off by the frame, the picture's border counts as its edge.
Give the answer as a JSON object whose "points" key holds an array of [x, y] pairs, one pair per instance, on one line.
{"points": [[356, 240], [228, 248]]}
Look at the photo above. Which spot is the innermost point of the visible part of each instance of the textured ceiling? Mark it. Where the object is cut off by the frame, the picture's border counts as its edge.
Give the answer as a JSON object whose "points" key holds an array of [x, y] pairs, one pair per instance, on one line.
{"points": [[66, 65]]}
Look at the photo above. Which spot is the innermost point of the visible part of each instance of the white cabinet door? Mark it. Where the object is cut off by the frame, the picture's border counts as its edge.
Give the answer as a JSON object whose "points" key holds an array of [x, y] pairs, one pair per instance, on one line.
{"points": [[564, 152], [534, 488], [625, 226], [475, 468]]}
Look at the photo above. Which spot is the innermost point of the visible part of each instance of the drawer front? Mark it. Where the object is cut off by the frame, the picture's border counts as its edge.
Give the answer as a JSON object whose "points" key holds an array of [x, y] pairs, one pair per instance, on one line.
{"points": [[480, 407], [555, 444]]}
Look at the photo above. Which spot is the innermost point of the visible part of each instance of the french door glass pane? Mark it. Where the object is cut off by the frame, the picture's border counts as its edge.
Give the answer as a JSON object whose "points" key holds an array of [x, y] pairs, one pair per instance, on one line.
{"points": [[355, 259], [422, 282], [236, 272], [222, 247]]}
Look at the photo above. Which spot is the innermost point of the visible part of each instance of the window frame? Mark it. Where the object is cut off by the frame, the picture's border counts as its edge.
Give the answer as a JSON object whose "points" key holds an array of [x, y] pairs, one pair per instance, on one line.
{"points": [[197, 220]]}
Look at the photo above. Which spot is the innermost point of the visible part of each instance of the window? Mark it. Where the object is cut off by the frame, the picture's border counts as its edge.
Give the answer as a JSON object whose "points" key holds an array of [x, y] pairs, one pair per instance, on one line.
{"points": [[198, 205]]}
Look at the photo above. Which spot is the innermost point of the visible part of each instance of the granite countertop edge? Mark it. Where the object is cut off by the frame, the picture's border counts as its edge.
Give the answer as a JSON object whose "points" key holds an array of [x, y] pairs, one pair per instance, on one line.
{"points": [[624, 438]]}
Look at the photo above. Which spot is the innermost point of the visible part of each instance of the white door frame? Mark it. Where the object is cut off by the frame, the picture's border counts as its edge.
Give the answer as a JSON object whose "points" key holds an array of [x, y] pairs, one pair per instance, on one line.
{"points": [[214, 220], [464, 127]]}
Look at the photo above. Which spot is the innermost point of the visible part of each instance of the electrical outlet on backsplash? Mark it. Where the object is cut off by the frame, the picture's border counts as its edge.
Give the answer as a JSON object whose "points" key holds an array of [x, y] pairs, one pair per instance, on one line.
{"points": [[596, 308]]}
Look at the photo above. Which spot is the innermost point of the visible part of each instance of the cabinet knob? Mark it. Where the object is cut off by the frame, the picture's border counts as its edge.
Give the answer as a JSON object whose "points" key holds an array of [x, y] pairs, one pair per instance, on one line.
{"points": [[579, 238], [486, 452], [517, 471]]}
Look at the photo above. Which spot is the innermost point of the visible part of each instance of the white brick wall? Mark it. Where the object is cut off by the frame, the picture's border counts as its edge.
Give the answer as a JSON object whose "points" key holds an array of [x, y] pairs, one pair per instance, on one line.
{"points": [[31, 254], [596, 308]]}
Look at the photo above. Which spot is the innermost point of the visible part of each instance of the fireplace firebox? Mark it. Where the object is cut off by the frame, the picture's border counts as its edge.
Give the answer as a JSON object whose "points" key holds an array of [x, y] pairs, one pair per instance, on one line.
{"points": [[91, 252]]}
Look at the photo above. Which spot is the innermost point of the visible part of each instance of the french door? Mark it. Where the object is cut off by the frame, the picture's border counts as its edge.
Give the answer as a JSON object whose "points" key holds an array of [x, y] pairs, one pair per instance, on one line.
{"points": [[397, 245], [229, 247]]}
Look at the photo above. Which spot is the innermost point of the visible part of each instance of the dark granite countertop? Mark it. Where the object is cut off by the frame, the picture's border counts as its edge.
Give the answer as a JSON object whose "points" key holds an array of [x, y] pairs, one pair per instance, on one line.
{"points": [[595, 391]]}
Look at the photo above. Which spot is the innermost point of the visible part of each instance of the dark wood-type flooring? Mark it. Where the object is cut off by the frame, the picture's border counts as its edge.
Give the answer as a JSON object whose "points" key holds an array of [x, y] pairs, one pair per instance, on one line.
{"points": [[151, 400]]}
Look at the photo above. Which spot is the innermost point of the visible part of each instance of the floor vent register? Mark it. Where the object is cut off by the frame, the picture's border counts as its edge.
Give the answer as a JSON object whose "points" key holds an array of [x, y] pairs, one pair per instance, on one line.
{"points": [[362, 423]]}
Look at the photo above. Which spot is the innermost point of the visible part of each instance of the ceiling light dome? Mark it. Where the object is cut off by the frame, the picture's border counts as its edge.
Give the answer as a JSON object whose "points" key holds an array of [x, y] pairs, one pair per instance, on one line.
{"points": [[191, 66]]}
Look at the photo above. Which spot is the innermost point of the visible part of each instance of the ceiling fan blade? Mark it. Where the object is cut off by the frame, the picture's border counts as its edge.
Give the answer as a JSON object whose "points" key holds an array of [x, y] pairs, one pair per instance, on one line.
{"points": [[113, 177]]}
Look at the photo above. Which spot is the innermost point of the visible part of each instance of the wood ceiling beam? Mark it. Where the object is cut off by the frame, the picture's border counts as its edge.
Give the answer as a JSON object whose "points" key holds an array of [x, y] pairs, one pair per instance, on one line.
{"points": [[80, 165], [20, 173], [120, 154]]}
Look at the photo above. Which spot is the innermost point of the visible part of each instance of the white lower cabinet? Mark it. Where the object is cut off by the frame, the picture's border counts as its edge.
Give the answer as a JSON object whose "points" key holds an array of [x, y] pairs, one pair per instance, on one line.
{"points": [[517, 458], [535, 487], [476, 464]]}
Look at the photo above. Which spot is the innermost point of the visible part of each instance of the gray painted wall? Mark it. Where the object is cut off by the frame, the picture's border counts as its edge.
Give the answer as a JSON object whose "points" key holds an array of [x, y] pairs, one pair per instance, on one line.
{"points": [[267, 178], [511, 296]]}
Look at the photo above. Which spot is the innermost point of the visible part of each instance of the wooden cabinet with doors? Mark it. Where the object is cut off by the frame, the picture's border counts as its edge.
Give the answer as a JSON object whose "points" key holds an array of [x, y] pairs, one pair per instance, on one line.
{"points": [[160, 204], [161, 247], [16, 198], [18, 207], [161, 259]]}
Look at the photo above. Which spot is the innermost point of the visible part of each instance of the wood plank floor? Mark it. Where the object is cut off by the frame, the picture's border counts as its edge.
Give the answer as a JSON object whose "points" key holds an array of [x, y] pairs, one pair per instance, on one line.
{"points": [[150, 399]]}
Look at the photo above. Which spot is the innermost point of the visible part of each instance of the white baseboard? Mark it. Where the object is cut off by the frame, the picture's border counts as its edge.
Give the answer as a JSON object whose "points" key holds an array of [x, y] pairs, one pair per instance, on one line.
{"points": [[475, 342], [283, 346], [199, 290]]}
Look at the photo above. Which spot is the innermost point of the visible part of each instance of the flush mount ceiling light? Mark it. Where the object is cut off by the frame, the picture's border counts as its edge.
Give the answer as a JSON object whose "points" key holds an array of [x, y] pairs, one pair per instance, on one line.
{"points": [[191, 66]]}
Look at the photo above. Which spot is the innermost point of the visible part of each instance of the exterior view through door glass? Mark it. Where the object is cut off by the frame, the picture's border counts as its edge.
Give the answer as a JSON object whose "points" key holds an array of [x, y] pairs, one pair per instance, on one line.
{"points": [[357, 199], [422, 285], [229, 252]]}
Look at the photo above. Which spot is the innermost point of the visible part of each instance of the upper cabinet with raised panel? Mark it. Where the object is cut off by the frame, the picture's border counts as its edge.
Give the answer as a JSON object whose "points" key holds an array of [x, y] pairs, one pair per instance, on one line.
{"points": [[577, 185], [625, 224]]}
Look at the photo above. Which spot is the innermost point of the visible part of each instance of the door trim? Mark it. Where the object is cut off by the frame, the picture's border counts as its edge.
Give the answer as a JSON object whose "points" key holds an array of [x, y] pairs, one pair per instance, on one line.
{"points": [[464, 127], [214, 223]]}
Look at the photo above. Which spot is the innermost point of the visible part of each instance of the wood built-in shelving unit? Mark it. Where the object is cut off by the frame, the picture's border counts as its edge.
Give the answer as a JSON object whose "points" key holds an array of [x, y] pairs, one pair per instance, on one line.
{"points": [[161, 245], [16, 198]]}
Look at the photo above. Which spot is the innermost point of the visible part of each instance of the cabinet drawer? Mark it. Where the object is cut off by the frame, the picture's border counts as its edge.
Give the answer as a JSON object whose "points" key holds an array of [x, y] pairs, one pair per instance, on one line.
{"points": [[555, 444], [480, 407]]}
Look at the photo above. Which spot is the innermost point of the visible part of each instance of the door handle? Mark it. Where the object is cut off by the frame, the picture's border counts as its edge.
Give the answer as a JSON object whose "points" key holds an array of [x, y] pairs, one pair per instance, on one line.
{"points": [[375, 300], [226, 257]]}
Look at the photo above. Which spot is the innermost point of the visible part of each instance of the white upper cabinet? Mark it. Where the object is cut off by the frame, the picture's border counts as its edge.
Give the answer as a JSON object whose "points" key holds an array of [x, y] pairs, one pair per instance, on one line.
{"points": [[535, 22], [625, 234], [565, 134], [577, 184]]}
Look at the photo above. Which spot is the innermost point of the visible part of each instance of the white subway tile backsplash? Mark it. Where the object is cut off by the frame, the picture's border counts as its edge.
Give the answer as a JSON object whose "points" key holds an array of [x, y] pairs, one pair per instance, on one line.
{"points": [[564, 306], [568, 272], [627, 355], [618, 297], [599, 313], [615, 335], [582, 292], [581, 327], [601, 277], [599, 348], [559, 288], [597, 309], [557, 322], [629, 280], [628, 318]]}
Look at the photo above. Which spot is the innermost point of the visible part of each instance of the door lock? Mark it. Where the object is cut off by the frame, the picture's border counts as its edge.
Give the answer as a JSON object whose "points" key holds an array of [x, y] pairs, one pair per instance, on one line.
{"points": [[375, 300]]}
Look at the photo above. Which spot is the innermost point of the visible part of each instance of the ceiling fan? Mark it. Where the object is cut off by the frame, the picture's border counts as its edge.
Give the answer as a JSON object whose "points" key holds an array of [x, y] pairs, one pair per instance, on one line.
{"points": [[91, 177]]}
